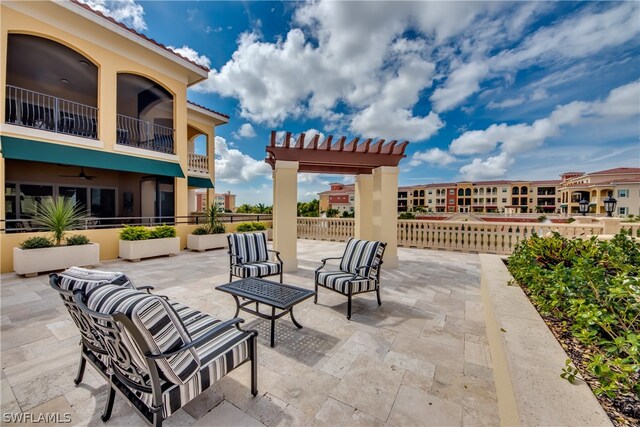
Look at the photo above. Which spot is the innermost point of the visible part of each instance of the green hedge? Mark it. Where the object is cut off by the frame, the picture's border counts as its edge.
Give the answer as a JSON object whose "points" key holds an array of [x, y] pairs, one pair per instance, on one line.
{"points": [[591, 289], [145, 233], [251, 226], [37, 243]]}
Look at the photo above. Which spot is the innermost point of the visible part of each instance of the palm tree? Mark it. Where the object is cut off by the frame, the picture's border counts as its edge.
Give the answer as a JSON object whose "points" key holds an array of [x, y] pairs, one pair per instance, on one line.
{"points": [[58, 215]]}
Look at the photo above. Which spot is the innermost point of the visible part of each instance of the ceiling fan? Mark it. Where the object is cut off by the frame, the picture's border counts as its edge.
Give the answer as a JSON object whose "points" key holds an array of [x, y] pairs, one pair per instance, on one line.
{"points": [[81, 175]]}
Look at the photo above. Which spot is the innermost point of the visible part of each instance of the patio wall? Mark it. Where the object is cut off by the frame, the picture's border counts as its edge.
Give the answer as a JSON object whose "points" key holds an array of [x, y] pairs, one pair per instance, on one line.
{"points": [[464, 236], [107, 238]]}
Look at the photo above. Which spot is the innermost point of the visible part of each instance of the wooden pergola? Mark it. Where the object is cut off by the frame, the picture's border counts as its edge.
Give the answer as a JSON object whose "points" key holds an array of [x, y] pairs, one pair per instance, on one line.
{"points": [[375, 165]]}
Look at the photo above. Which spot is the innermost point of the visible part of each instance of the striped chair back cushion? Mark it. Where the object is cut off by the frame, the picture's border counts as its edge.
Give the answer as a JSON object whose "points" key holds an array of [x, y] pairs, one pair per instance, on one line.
{"points": [[157, 322], [76, 278], [362, 253], [252, 247]]}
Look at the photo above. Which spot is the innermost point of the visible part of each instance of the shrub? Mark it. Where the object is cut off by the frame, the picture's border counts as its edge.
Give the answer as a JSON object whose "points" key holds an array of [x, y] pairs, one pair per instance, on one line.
{"points": [[214, 225], [251, 226], [200, 231], [57, 215], [406, 215], [135, 233], [542, 218], [77, 239], [36, 243], [162, 232], [590, 288]]}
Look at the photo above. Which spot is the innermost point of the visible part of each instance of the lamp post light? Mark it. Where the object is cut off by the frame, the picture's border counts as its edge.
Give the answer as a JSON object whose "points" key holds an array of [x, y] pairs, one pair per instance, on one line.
{"points": [[610, 204], [583, 206]]}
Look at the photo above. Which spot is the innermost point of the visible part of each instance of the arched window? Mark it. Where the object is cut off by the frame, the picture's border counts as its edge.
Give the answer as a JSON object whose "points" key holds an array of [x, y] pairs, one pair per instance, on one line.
{"points": [[421, 193], [415, 193], [460, 192], [467, 192], [515, 190], [523, 190]]}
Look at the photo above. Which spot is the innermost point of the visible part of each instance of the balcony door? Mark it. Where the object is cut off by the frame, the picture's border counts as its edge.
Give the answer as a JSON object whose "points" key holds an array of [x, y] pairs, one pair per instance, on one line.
{"points": [[157, 199]]}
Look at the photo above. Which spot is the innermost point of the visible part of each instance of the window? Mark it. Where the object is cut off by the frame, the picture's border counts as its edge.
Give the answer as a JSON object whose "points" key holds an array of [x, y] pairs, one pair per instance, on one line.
{"points": [[504, 189], [467, 192], [623, 210], [103, 202], [430, 200], [430, 191], [31, 196], [451, 191], [623, 193], [460, 192], [78, 195], [504, 200], [451, 201]]}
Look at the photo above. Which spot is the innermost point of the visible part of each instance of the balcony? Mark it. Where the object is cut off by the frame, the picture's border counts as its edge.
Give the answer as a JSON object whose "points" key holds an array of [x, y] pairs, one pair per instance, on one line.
{"points": [[140, 134], [198, 163], [37, 110]]}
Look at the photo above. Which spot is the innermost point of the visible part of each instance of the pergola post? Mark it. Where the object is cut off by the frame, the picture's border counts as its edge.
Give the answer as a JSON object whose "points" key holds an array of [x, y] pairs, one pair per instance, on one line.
{"points": [[285, 210], [385, 211], [364, 207]]}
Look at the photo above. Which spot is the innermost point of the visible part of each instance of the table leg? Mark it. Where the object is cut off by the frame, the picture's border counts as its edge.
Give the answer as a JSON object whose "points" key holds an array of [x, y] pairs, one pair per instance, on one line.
{"points": [[293, 319], [273, 326], [237, 305]]}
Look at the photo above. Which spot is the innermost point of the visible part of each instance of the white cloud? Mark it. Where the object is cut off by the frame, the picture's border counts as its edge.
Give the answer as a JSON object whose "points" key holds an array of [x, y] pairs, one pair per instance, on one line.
{"points": [[127, 12], [245, 131], [511, 102], [493, 167], [433, 156], [192, 55], [461, 83], [233, 167]]}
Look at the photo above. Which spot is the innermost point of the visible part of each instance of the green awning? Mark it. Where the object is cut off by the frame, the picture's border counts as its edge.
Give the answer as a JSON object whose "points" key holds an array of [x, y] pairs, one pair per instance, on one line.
{"points": [[26, 149], [193, 181]]}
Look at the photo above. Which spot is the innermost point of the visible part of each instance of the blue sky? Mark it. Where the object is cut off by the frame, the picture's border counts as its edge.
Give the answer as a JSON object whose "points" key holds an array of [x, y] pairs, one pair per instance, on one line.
{"points": [[482, 90]]}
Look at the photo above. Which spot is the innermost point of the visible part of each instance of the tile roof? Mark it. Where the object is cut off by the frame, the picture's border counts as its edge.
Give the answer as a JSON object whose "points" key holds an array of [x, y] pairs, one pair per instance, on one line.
{"points": [[131, 30], [616, 170], [208, 109]]}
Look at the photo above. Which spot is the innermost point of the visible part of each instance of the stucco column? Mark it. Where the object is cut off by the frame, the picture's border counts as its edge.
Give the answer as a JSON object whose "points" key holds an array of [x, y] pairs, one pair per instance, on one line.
{"points": [[364, 207], [582, 220], [385, 211], [285, 211], [192, 200], [2, 185], [181, 188]]}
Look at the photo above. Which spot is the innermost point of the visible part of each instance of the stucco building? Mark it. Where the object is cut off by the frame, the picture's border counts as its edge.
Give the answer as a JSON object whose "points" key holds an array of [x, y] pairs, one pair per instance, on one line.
{"points": [[97, 112]]}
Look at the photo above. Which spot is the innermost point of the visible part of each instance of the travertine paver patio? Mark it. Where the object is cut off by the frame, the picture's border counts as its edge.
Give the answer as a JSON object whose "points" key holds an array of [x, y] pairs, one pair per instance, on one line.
{"points": [[419, 359]]}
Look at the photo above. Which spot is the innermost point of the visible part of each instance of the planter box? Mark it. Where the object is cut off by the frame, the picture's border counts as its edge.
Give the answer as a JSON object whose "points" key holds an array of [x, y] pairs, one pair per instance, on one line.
{"points": [[134, 250], [206, 241], [30, 262]]}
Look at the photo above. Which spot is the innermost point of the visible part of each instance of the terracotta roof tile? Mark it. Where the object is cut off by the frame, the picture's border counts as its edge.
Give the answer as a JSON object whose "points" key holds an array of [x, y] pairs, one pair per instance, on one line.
{"points": [[131, 30], [616, 170], [208, 109]]}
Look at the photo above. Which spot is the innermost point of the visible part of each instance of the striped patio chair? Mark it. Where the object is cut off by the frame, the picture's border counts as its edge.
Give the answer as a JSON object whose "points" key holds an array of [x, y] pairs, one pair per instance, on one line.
{"points": [[249, 256], [162, 355], [359, 271]]}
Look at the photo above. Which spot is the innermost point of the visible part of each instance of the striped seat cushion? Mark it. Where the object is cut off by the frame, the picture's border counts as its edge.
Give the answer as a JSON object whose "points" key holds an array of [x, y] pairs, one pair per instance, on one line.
{"points": [[251, 247], [232, 348], [159, 324], [339, 281], [360, 253], [256, 269], [76, 278]]}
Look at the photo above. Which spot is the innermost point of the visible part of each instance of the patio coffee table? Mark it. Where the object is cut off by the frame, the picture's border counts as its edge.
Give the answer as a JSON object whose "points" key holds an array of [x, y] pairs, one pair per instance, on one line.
{"points": [[272, 294]]}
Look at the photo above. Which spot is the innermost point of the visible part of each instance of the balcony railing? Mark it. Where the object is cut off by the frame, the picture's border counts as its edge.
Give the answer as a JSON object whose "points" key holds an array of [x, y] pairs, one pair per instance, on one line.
{"points": [[198, 163], [140, 134], [24, 107]]}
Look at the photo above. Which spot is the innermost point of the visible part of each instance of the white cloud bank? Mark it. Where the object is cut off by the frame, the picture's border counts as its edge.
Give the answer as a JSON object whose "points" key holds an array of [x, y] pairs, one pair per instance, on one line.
{"points": [[233, 167], [128, 12]]}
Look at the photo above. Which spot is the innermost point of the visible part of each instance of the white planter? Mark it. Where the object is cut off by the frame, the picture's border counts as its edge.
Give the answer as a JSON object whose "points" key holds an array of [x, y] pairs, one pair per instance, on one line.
{"points": [[134, 250], [32, 261], [206, 241]]}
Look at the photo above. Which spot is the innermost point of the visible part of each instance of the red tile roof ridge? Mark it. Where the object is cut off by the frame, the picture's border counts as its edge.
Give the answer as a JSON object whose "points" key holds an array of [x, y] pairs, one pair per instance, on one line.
{"points": [[131, 30], [615, 170], [208, 109]]}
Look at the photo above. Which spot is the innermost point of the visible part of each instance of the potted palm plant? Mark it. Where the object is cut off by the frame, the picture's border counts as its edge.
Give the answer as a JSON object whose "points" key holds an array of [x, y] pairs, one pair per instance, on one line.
{"points": [[56, 215], [209, 236]]}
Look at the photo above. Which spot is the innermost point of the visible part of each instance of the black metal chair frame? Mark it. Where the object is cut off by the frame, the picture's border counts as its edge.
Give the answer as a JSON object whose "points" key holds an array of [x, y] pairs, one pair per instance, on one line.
{"points": [[356, 276], [239, 262]]}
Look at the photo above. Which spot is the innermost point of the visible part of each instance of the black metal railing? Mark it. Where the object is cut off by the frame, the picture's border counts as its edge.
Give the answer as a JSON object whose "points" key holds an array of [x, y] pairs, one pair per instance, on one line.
{"points": [[28, 225], [24, 107], [140, 134]]}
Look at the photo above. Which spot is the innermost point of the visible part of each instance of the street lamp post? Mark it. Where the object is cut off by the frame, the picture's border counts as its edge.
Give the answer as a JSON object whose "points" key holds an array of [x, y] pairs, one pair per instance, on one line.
{"points": [[610, 204], [583, 205]]}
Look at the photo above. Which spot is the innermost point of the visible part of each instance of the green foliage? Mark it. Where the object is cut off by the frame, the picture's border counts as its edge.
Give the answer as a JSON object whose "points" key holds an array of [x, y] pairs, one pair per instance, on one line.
{"points": [[570, 220], [332, 213], [200, 231], [346, 214], [135, 233], [542, 218], [250, 226], [58, 215], [569, 372], [406, 215], [214, 225], [77, 239], [260, 208], [162, 232], [309, 209], [593, 288], [36, 243]]}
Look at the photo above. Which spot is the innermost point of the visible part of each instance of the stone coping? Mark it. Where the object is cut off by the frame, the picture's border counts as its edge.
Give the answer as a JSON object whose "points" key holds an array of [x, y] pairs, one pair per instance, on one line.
{"points": [[528, 360]]}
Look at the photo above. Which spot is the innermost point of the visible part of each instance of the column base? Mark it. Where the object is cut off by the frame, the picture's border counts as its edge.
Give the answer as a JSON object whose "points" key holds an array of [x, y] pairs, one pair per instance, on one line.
{"points": [[389, 261], [289, 265]]}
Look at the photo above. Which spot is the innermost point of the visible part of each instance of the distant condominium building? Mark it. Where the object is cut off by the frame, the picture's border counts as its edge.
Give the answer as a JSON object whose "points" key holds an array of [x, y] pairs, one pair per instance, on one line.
{"points": [[509, 196], [622, 183]]}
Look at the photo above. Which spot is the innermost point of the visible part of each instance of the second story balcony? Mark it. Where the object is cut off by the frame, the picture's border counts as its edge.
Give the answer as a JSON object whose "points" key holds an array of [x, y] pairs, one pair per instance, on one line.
{"points": [[140, 134], [197, 163]]}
